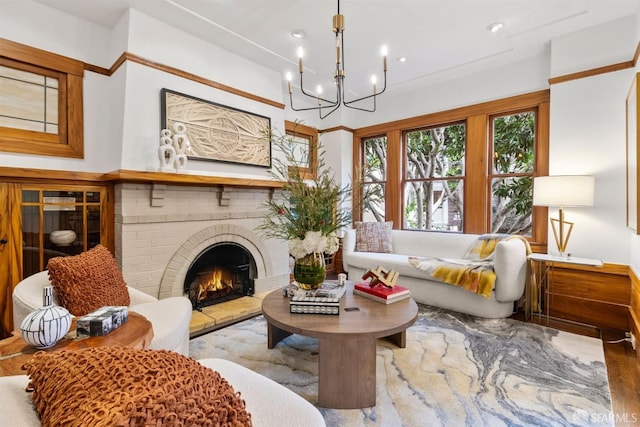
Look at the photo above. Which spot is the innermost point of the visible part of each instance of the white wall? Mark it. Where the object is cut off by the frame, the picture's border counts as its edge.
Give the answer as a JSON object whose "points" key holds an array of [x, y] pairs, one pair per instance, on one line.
{"points": [[122, 112], [587, 137]]}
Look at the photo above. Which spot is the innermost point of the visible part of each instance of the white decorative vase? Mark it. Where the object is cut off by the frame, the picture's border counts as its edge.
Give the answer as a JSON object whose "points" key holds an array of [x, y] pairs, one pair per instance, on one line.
{"points": [[46, 326]]}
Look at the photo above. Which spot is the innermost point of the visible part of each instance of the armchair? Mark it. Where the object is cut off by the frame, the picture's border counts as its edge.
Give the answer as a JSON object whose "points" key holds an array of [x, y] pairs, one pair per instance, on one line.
{"points": [[170, 317]]}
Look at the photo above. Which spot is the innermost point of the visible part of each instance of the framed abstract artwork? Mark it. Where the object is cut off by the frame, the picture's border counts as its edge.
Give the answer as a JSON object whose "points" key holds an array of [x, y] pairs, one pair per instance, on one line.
{"points": [[217, 132]]}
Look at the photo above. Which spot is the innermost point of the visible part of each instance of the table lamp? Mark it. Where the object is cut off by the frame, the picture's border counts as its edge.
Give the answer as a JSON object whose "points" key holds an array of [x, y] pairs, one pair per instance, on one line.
{"points": [[563, 191]]}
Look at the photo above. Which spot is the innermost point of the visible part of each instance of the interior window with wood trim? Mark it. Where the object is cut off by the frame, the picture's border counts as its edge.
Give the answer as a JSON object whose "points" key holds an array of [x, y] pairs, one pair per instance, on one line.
{"points": [[467, 170], [304, 140], [40, 102]]}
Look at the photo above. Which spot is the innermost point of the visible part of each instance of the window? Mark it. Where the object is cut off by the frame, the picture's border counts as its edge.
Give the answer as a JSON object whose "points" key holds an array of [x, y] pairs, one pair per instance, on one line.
{"points": [[466, 170], [512, 173], [40, 102], [374, 174], [434, 178], [30, 100], [304, 140]]}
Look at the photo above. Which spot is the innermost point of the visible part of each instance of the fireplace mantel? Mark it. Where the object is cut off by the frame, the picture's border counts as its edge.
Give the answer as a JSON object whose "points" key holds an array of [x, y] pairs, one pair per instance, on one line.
{"points": [[122, 175], [133, 176]]}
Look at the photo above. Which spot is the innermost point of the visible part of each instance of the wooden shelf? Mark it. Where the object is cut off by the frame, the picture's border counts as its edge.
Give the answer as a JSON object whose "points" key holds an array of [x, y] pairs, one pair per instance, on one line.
{"points": [[123, 175]]}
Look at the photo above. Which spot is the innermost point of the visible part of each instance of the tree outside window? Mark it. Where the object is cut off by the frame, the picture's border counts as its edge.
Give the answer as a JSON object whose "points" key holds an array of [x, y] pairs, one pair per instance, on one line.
{"points": [[434, 178], [375, 176], [512, 173], [469, 169]]}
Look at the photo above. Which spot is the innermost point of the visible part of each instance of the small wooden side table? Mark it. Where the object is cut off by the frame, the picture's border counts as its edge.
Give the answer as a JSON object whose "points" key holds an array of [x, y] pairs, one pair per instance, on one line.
{"points": [[15, 352]]}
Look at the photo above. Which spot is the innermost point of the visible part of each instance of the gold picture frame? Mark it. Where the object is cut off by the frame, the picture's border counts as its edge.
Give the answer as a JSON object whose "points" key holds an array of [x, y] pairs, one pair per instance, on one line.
{"points": [[633, 189], [217, 132]]}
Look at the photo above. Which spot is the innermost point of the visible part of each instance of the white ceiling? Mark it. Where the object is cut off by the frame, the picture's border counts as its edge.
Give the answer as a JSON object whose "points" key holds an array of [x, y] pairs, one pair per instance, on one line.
{"points": [[438, 37]]}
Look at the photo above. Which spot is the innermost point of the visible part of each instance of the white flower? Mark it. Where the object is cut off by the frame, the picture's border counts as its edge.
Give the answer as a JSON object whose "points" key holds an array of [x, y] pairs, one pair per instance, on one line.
{"points": [[313, 241], [333, 244], [296, 248]]}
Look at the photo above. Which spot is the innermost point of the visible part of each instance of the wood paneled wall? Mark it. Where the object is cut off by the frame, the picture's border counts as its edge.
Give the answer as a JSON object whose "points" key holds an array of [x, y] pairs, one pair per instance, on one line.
{"points": [[597, 296], [634, 309]]}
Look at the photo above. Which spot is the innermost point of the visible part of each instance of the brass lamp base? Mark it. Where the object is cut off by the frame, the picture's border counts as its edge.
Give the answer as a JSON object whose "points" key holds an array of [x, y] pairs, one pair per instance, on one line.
{"points": [[560, 226]]}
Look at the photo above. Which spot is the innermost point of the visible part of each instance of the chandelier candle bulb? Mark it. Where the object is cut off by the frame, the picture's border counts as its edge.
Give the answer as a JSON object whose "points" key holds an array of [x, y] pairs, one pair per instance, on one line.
{"points": [[300, 55], [384, 52], [289, 77]]}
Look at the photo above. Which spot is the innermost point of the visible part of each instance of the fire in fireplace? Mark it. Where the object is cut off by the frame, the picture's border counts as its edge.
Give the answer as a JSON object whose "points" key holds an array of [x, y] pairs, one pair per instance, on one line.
{"points": [[220, 273]]}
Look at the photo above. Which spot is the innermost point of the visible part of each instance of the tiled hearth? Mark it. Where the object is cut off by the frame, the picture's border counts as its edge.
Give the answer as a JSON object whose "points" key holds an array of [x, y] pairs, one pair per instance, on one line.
{"points": [[223, 314]]}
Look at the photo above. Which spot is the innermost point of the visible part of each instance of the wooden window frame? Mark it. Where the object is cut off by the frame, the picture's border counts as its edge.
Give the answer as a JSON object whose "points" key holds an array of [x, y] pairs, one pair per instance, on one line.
{"points": [[358, 214], [404, 180], [310, 134], [477, 200], [69, 141], [491, 174]]}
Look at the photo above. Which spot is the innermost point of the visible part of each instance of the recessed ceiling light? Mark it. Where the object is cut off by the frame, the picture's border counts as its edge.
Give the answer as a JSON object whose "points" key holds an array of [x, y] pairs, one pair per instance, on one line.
{"points": [[402, 59], [495, 27], [298, 34]]}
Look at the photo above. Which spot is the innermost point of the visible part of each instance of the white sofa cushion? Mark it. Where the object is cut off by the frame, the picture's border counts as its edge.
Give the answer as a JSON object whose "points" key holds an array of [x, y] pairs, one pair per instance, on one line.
{"points": [[269, 403], [170, 318]]}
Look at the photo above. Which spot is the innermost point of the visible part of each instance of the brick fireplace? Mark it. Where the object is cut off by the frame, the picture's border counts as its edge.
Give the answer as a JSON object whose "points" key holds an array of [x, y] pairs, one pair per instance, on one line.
{"points": [[162, 230]]}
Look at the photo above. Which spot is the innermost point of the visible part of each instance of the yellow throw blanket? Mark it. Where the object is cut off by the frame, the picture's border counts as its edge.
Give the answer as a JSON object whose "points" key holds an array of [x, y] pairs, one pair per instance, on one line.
{"points": [[475, 272], [474, 276]]}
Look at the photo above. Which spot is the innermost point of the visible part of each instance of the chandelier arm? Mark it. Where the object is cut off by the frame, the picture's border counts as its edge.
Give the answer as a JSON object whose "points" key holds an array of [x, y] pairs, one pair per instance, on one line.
{"points": [[331, 111], [348, 103], [337, 103], [310, 95], [320, 107]]}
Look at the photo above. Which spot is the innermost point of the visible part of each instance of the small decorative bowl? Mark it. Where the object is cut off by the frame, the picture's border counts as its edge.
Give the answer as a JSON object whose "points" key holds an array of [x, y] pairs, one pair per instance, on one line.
{"points": [[62, 237]]}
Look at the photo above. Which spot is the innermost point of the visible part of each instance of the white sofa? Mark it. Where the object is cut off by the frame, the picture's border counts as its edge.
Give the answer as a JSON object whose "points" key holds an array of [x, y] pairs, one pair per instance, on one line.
{"points": [[269, 403], [510, 265], [169, 317]]}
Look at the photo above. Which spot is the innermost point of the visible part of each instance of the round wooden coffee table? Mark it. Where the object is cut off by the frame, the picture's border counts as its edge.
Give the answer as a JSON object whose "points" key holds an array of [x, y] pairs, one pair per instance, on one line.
{"points": [[347, 342], [15, 352]]}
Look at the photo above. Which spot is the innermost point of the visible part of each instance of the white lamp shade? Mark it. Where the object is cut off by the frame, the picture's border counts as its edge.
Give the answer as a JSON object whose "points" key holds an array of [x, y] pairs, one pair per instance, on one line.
{"points": [[563, 190]]}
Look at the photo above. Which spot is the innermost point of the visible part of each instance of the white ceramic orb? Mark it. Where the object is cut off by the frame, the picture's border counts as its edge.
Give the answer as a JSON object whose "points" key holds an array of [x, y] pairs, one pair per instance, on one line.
{"points": [[62, 237]]}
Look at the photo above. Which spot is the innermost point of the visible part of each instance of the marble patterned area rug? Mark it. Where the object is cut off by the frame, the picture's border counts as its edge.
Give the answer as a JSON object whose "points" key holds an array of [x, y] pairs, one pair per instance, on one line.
{"points": [[456, 370]]}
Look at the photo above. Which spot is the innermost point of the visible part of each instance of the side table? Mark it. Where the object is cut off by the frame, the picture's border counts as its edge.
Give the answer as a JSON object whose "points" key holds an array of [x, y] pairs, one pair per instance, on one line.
{"points": [[15, 352], [546, 263]]}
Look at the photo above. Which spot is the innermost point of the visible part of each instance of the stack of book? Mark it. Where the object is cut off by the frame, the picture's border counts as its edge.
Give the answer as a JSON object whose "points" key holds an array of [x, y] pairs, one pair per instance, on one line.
{"points": [[325, 300], [314, 305], [381, 293]]}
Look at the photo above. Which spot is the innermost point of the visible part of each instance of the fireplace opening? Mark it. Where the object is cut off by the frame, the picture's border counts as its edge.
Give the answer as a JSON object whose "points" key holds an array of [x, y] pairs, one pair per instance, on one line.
{"points": [[220, 273]]}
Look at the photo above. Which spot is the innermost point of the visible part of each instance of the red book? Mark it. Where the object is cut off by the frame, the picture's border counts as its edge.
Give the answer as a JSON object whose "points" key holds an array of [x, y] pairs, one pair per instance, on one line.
{"points": [[381, 293]]}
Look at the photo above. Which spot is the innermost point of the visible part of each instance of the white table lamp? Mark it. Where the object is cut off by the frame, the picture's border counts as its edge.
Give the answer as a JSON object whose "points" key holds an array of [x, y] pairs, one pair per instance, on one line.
{"points": [[563, 191]]}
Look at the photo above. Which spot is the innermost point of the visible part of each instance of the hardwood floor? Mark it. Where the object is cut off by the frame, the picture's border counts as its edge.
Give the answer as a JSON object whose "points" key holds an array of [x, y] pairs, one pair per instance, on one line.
{"points": [[623, 369]]}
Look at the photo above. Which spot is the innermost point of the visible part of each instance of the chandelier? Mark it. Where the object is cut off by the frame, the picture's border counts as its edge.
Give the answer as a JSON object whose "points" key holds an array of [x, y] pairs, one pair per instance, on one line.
{"points": [[326, 106]]}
